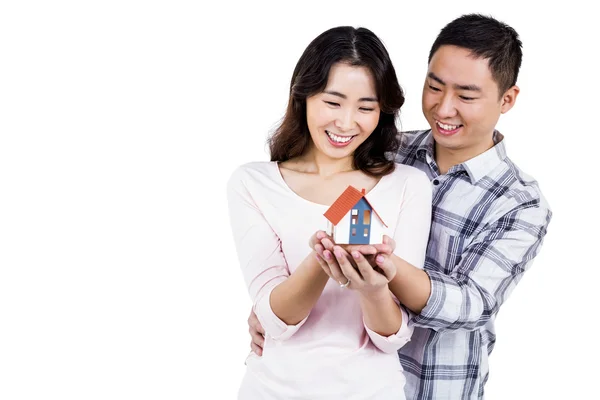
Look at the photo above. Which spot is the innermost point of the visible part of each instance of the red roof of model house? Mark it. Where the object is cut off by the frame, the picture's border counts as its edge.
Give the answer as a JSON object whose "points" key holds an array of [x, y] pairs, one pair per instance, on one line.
{"points": [[344, 203]]}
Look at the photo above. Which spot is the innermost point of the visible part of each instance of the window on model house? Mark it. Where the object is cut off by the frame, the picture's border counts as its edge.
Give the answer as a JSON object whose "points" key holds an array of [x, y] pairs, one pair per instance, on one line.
{"points": [[366, 232], [367, 217], [353, 231], [354, 217]]}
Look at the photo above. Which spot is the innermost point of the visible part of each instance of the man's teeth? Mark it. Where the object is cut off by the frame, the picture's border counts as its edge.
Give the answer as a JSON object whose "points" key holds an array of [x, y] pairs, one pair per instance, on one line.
{"points": [[447, 127], [338, 139]]}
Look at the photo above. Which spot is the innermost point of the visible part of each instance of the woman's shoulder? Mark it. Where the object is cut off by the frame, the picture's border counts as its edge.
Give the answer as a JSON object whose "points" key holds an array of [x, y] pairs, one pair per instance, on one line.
{"points": [[410, 174], [254, 169], [252, 172], [408, 182]]}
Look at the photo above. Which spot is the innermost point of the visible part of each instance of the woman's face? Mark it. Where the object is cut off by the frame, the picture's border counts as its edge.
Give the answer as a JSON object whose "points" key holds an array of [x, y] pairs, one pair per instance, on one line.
{"points": [[345, 113]]}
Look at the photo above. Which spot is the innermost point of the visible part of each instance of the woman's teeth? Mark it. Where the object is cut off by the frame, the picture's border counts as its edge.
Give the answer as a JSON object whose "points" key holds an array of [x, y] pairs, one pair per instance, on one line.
{"points": [[338, 139]]}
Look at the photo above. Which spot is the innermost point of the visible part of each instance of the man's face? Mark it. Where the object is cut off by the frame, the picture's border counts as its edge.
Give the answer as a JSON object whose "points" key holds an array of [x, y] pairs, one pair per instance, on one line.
{"points": [[462, 103]]}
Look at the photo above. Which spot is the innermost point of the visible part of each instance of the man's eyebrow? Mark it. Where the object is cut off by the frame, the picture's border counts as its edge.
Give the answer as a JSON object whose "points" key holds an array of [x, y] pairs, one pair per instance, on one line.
{"points": [[343, 96], [436, 78], [472, 88]]}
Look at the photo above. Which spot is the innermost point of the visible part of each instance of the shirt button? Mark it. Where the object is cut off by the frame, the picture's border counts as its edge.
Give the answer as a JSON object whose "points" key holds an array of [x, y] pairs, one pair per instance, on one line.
{"points": [[436, 182]]}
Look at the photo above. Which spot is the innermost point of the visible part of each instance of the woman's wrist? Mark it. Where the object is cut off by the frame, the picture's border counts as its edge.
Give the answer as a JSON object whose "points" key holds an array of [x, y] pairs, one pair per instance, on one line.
{"points": [[376, 296]]}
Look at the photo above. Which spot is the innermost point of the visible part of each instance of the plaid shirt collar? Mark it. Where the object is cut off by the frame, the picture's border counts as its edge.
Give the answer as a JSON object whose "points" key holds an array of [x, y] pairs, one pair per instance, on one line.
{"points": [[476, 168]]}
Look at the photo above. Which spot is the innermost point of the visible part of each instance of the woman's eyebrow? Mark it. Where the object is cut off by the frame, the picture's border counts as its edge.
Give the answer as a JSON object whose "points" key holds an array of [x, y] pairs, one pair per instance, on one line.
{"points": [[343, 96]]}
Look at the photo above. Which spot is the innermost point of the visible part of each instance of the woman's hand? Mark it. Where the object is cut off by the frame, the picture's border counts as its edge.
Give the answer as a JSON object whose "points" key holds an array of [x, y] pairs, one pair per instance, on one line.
{"points": [[366, 267], [353, 267]]}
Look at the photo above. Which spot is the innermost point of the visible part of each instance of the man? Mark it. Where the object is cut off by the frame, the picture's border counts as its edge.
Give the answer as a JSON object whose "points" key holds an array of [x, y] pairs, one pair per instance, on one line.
{"points": [[489, 218]]}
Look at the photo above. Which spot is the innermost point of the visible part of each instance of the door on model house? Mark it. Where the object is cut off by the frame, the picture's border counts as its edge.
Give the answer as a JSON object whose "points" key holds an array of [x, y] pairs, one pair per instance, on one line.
{"points": [[360, 223]]}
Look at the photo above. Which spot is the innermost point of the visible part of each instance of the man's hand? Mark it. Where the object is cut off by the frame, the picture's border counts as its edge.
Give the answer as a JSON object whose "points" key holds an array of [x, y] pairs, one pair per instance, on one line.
{"points": [[257, 334]]}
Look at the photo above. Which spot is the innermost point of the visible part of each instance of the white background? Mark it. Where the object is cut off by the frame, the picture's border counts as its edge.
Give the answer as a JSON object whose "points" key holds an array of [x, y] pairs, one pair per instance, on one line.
{"points": [[120, 122]]}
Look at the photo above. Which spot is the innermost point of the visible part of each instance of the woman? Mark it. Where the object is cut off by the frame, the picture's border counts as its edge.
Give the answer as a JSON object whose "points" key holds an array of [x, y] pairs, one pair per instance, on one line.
{"points": [[328, 339]]}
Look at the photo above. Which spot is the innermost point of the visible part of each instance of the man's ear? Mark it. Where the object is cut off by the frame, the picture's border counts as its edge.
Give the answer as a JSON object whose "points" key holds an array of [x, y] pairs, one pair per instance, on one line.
{"points": [[509, 98]]}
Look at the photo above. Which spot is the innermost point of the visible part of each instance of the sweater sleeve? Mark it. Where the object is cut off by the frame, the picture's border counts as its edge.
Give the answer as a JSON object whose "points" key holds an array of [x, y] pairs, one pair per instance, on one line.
{"points": [[411, 237], [259, 252]]}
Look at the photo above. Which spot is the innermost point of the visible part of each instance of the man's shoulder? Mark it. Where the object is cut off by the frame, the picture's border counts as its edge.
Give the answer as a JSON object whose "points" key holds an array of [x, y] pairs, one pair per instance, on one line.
{"points": [[521, 181], [523, 192], [410, 142], [415, 137]]}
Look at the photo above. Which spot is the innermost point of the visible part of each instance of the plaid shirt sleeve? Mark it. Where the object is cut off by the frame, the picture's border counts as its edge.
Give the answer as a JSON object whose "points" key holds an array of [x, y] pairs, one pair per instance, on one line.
{"points": [[488, 270]]}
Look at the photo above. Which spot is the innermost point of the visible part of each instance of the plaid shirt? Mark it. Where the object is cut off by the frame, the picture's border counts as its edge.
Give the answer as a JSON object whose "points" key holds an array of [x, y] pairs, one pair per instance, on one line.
{"points": [[488, 223]]}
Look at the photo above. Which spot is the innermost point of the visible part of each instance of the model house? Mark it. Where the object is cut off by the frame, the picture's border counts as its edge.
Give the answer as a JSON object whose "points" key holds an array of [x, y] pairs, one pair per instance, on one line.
{"points": [[353, 220]]}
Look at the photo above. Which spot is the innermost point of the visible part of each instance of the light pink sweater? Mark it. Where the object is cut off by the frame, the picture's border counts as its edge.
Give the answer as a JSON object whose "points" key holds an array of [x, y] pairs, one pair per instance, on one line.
{"points": [[331, 354]]}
